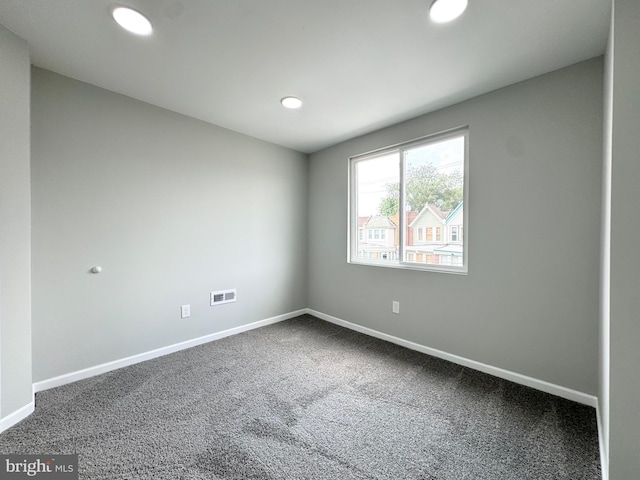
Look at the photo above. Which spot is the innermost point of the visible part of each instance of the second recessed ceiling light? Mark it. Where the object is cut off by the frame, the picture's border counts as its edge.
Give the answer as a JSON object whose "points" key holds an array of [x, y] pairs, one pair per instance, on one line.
{"points": [[291, 102], [443, 11], [132, 21]]}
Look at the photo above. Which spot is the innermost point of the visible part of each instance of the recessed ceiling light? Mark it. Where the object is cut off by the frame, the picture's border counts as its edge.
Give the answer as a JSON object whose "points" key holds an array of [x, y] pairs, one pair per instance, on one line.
{"points": [[291, 102], [443, 11], [132, 21]]}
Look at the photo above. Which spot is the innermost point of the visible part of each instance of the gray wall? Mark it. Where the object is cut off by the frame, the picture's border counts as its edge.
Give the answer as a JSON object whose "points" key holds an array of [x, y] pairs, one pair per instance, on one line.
{"points": [[171, 208], [530, 301], [15, 225], [624, 441]]}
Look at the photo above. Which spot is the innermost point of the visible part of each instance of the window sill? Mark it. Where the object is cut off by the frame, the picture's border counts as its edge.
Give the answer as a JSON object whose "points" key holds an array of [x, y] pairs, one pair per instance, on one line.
{"points": [[409, 266]]}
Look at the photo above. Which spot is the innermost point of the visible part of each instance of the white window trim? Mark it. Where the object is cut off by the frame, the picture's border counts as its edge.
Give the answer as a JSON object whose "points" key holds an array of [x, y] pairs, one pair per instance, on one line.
{"points": [[352, 226], [457, 234]]}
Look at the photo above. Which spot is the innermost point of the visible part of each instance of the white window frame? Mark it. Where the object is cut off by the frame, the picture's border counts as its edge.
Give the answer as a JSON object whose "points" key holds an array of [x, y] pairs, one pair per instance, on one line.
{"points": [[352, 206], [457, 234]]}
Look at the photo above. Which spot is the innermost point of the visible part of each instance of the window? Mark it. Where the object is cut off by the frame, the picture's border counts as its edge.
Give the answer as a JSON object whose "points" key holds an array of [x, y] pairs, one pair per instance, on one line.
{"points": [[429, 234], [418, 189]]}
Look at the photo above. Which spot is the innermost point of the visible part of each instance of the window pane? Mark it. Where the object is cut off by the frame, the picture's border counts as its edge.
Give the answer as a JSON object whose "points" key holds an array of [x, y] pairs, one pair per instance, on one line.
{"points": [[377, 198], [433, 192]]}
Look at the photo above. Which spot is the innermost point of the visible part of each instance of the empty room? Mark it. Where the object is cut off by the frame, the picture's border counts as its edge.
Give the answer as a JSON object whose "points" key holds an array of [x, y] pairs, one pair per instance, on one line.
{"points": [[319, 239]]}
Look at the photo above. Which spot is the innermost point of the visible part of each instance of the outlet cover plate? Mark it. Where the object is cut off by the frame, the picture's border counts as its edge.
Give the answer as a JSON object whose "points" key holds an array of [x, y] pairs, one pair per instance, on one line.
{"points": [[395, 306]]}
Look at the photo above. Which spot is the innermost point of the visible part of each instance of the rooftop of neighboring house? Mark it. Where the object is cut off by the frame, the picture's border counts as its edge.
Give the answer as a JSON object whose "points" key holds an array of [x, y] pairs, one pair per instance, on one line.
{"points": [[380, 221], [434, 208], [362, 221], [453, 212], [411, 216]]}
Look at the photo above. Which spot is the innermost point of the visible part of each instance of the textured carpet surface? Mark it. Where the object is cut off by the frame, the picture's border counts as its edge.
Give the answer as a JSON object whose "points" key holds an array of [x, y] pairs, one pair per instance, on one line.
{"points": [[305, 399]]}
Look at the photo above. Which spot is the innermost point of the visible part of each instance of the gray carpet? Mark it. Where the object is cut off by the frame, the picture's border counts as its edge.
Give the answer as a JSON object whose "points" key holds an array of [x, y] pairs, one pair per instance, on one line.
{"points": [[305, 399]]}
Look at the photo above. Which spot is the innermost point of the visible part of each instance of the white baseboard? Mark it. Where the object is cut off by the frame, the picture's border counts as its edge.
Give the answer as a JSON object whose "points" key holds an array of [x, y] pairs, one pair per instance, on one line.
{"points": [[13, 418], [159, 352], [547, 387], [590, 400]]}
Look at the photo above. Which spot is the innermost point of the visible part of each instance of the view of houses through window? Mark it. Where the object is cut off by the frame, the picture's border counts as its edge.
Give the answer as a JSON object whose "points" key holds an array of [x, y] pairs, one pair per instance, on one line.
{"points": [[428, 179]]}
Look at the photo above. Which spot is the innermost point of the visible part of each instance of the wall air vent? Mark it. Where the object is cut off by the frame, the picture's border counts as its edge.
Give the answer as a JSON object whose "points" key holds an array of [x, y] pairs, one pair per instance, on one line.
{"points": [[223, 296]]}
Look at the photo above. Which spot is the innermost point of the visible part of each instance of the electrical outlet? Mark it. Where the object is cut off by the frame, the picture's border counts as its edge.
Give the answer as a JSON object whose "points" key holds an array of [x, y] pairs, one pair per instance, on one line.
{"points": [[185, 311], [395, 306]]}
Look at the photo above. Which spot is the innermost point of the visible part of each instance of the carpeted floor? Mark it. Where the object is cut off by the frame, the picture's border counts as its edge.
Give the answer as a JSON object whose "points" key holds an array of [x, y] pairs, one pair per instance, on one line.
{"points": [[305, 399]]}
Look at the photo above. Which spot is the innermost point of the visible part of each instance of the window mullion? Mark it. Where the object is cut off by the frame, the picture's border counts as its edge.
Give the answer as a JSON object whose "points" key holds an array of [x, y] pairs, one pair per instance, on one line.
{"points": [[401, 208]]}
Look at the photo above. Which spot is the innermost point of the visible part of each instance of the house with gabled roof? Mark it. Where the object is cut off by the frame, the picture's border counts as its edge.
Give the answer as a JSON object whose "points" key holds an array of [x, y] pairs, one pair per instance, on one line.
{"points": [[362, 222], [436, 236], [428, 226], [427, 232], [377, 238]]}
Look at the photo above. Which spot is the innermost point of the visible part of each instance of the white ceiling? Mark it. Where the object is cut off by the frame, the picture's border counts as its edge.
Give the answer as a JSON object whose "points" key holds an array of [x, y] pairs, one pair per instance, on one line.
{"points": [[358, 65]]}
